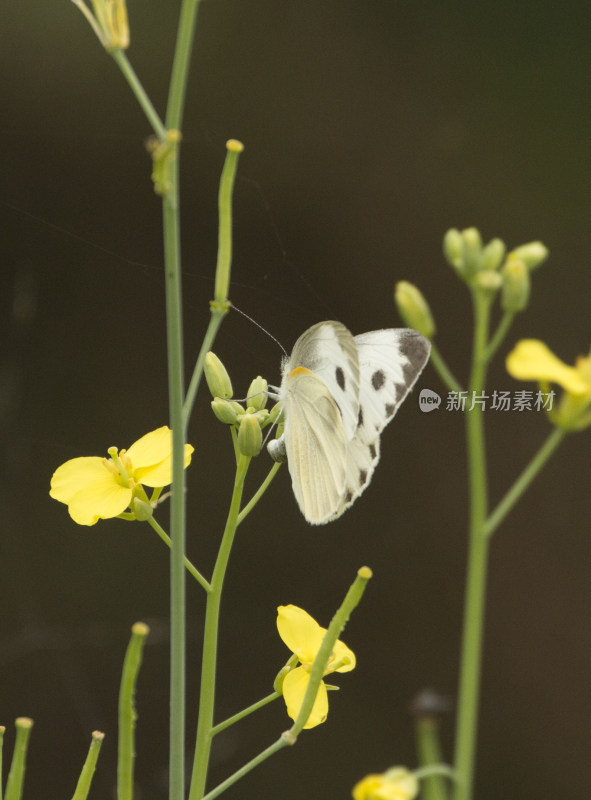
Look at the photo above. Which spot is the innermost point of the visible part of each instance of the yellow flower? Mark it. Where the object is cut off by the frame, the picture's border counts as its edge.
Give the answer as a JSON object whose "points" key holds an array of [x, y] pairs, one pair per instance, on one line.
{"points": [[96, 488], [303, 635], [532, 360], [394, 784]]}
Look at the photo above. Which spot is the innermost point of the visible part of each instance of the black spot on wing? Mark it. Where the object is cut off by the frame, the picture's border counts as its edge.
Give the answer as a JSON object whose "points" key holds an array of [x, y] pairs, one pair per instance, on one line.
{"points": [[360, 417], [372, 451], [390, 408], [362, 477], [340, 376], [348, 496], [378, 379]]}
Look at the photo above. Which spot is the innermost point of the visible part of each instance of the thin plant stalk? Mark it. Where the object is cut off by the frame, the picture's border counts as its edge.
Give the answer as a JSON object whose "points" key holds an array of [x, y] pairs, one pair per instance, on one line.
{"points": [[524, 480], [475, 593], [176, 391], [210, 639], [221, 726]]}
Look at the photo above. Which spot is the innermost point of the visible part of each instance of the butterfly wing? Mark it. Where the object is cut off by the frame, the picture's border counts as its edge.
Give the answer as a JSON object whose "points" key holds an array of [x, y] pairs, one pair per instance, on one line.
{"points": [[390, 362], [329, 350], [315, 443]]}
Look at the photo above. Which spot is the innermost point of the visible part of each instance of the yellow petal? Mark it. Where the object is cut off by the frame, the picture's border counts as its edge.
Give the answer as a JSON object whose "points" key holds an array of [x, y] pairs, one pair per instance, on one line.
{"points": [[300, 632], [340, 653], [395, 784], [151, 449], [532, 360], [161, 474], [99, 501], [365, 789], [294, 688], [77, 473]]}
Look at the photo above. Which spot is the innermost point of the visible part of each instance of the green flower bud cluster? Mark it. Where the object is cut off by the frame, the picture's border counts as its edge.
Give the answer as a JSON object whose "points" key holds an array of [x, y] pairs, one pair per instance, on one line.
{"points": [[489, 269], [249, 416]]}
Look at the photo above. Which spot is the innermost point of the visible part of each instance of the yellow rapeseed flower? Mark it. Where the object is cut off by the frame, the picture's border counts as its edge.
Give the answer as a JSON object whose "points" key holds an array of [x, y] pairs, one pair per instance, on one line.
{"points": [[394, 784], [532, 360], [303, 635], [96, 488]]}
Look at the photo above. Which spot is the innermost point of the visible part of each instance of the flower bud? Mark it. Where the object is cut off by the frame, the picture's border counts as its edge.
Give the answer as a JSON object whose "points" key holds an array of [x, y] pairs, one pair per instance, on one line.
{"points": [[257, 393], [141, 509], [396, 782], [414, 309], [275, 412], [250, 437], [492, 255], [109, 22], [217, 377], [516, 282], [488, 282], [227, 411], [471, 251], [532, 254], [453, 249]]}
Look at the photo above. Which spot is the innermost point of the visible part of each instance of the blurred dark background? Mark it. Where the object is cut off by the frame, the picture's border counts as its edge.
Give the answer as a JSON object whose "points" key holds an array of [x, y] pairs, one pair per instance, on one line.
{"points": [[370, 128]]}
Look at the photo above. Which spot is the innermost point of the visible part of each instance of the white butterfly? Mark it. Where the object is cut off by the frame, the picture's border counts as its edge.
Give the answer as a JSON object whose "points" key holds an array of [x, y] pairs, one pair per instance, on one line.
{"points": [[338, 393]]}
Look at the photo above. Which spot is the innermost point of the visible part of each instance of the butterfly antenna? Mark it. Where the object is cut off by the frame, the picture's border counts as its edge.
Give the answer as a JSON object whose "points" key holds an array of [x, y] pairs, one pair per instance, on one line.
{"points": [[254, 322]]}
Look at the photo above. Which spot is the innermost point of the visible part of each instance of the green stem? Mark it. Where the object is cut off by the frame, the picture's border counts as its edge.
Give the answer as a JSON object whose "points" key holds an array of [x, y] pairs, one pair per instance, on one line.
{"points": [[16, 775], [271, 750], [172, 261], [445, 373], [435, 769], [127, 713], [2, 731], [210, 639], [85, 779], [499, 334], [524, 480], [215, 321], [259, 493], [174, 117], [429, 753], [180, 68], [220, 304], [188, 564], [136, 87], [475, 593], [221, 726]]}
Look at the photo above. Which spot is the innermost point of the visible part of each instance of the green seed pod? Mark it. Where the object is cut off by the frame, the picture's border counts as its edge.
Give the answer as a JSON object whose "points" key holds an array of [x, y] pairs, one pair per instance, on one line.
{"points": [[217, 377], [250, 437], [414, 309]]}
